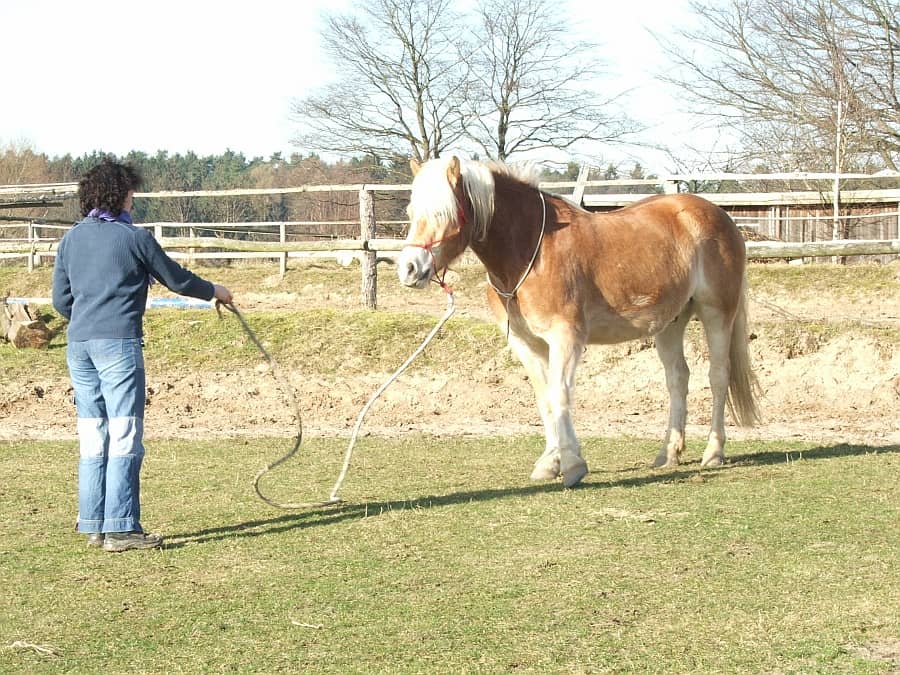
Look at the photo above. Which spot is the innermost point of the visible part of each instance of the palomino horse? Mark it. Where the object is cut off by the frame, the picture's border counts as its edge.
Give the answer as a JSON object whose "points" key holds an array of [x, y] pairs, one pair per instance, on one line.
{"points": [[561, 277]]}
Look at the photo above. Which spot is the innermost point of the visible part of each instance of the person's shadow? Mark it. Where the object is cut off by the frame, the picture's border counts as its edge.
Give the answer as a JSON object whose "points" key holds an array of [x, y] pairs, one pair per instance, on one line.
{"points": [[329, 515]]}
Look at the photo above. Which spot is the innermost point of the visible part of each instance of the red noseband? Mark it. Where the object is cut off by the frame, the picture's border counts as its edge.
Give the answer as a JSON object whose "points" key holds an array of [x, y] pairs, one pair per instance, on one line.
{"points": [[461, 220]]}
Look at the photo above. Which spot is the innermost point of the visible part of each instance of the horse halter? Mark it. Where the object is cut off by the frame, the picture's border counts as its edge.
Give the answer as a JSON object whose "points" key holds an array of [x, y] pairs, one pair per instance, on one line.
{"points": [[439, 280]]}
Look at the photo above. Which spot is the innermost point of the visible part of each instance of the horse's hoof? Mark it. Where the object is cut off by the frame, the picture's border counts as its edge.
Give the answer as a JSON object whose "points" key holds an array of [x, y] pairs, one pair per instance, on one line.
{"points": [[573, 478], [546, 468], [662, 461], [712, 462], [573, 471]]}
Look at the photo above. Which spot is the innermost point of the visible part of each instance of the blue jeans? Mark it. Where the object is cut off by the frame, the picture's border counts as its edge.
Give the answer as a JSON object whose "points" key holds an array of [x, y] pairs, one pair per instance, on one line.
{"points": [[109, 382]]}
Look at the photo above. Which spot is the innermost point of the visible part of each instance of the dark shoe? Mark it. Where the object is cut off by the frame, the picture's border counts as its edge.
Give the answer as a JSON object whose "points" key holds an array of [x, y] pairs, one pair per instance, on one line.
{"points": [[130, 541], [95, 539]]}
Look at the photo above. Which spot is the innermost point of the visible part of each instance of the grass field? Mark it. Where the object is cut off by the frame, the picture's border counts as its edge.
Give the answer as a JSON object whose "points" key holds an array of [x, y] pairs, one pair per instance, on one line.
{"points": [[444, 558]]}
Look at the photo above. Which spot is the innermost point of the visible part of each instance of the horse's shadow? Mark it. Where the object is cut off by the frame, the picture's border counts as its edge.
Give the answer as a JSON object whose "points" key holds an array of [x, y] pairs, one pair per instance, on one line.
{"points": [[823, 452], [342, 512]]}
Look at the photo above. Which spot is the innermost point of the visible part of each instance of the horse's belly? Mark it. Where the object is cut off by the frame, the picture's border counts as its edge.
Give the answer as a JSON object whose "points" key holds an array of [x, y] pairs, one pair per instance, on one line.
{"points": [[609, 329]]}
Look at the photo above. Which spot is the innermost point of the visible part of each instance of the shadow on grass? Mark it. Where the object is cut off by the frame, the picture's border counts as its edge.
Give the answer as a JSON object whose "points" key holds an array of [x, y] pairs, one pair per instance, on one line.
{"points": [[346, 511], [829, 452], [782, 457]]}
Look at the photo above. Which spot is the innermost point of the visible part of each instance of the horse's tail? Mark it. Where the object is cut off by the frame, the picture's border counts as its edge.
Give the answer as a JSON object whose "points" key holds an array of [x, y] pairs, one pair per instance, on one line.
{"points": [[743, 386]]}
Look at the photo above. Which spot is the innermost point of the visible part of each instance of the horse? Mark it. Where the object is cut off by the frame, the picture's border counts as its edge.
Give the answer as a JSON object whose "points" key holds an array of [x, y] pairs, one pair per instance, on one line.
{"points": [[561, 277]]}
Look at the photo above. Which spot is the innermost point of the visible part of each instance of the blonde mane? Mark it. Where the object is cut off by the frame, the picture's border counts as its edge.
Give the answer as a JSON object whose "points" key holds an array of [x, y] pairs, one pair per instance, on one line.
{"points": [[433, 198], [526, 172]]}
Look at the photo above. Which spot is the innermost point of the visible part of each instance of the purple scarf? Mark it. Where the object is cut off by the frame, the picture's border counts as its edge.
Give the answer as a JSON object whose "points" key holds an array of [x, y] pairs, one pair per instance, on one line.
{"points": [[103, 214]]}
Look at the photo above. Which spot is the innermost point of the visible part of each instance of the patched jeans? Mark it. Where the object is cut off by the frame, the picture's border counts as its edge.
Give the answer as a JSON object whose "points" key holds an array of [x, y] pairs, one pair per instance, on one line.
{"points": [[108, 379]]}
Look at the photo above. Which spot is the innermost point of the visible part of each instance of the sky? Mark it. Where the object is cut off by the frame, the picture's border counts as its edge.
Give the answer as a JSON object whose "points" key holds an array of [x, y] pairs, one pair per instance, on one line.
{"points": [[207, 76]]}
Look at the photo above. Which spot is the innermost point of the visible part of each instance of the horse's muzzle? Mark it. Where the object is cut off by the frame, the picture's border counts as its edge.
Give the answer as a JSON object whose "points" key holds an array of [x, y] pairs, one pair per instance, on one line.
{"points": [[415, 267]]}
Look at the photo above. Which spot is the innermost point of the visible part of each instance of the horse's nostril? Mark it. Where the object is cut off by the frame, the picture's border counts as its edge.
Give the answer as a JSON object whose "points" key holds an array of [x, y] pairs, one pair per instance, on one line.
{"points": [[410, 269]]}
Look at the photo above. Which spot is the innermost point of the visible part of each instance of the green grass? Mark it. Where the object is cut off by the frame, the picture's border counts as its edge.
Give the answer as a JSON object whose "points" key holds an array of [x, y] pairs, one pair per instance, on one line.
{"points": [[316, 278], [445, 558], [326, 337], [325, 341], [810, 281]]}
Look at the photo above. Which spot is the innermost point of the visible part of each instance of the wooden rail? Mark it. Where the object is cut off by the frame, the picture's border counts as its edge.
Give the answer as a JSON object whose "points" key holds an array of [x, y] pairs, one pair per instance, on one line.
{"points": [[370, 250], [367, 251], [756, 250]]}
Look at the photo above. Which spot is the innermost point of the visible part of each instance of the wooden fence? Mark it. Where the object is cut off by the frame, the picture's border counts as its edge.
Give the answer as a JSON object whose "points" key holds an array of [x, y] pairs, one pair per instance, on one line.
{"points": [[768, 214]]}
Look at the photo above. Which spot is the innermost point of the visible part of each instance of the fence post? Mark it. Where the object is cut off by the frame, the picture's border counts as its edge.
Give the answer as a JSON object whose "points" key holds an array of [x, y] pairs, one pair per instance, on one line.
{"points": [[38, 259], [578, 191], [31, 241], [282, 237], [368, 258]]}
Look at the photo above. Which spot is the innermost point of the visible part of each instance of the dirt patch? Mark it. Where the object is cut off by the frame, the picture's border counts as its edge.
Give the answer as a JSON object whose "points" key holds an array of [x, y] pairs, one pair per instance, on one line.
{"points": [[833, 388], [886, 650]]}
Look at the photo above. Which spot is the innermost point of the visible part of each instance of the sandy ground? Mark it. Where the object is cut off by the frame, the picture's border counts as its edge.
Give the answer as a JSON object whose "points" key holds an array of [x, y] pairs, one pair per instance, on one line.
{"points": [[840, 390]]}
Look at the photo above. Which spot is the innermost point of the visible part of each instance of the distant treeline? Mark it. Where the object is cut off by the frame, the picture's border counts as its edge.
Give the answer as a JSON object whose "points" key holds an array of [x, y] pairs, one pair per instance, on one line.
{"points": [[232, 170]]}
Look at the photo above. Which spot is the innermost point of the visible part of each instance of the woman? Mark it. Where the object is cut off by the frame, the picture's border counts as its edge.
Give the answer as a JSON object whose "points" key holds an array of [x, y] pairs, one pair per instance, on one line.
{"points": [[104, 267]]}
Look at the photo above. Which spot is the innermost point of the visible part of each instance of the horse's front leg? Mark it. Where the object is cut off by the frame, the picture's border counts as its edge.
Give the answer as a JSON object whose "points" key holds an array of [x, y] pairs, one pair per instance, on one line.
{"points": [[565, 353], [533, 356]]}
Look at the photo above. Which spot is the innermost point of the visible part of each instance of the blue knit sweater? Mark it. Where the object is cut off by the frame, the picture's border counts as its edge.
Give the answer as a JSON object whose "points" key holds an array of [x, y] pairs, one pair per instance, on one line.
{"points": [[102, 272]]}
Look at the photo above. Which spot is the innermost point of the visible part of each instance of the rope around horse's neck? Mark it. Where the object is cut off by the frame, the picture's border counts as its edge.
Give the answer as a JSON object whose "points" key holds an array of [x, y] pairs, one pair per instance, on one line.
{"points": [[511, 294], [348, 454], [508, 296]]}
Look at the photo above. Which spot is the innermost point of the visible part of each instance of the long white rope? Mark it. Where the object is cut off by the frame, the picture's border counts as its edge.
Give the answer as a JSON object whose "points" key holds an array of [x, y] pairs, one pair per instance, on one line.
{"points": [[348, 453], [359, 420]]}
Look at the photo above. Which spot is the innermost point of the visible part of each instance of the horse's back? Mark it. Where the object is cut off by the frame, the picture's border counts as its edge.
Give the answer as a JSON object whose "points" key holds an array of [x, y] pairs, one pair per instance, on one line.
{"points": [[713, 249], [647, 261], [719, 249], [680, 226], [699, 216]]}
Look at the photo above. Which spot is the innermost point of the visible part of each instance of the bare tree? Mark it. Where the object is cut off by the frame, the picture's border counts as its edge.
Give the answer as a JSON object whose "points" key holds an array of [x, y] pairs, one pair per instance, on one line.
{"points": [[19, 164], [804, 82], [532, 83], [401, 84], [416, 78], [873, 31]]}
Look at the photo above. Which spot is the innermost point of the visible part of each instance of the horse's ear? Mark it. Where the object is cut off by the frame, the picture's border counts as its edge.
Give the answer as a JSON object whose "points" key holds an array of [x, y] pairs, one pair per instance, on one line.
{"points": [[453, 174], [414, 166]]}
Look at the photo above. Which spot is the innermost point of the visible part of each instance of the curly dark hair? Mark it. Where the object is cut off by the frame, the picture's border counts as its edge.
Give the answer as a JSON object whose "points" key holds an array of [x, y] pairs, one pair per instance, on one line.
{"points": [[106, 186]]}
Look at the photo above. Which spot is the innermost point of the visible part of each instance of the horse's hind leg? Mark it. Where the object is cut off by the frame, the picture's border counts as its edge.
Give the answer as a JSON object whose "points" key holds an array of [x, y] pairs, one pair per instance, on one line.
{"points": [[718, 326], [670, 348]]}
